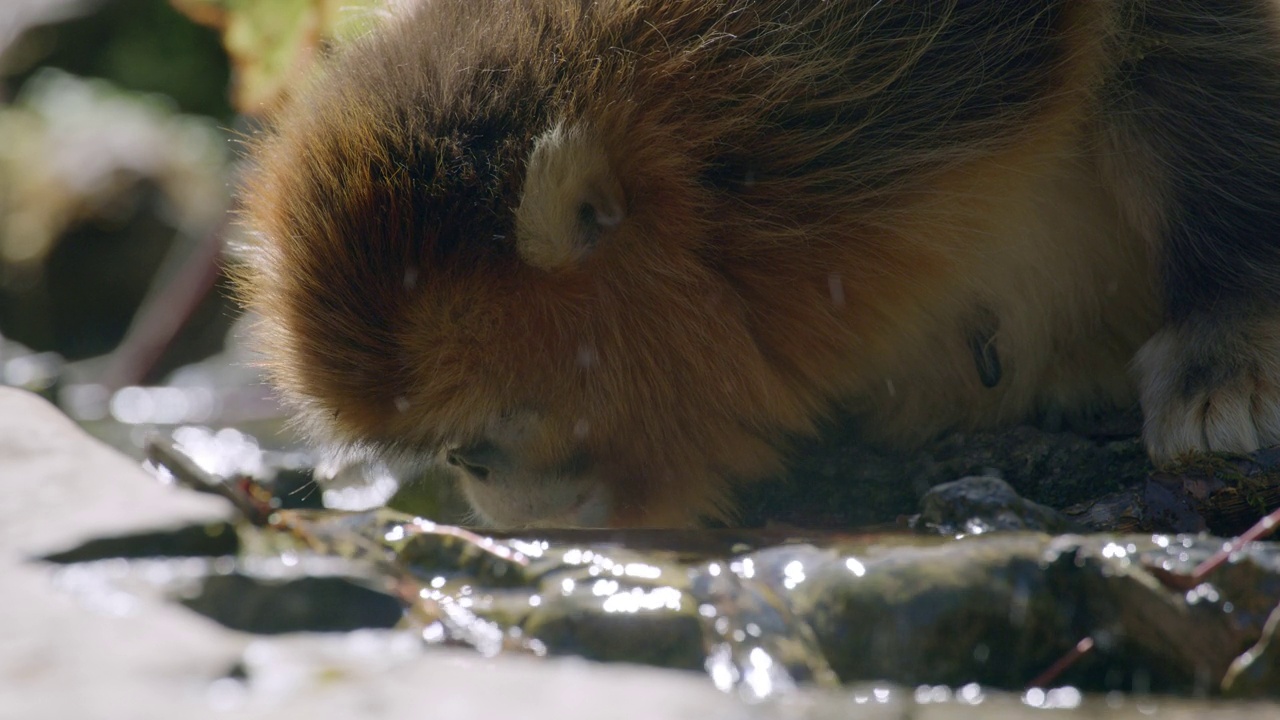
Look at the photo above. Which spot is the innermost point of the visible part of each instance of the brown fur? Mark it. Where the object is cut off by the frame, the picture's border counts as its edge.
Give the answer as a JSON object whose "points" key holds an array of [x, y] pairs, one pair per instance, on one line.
{"points": [[761, 211]]}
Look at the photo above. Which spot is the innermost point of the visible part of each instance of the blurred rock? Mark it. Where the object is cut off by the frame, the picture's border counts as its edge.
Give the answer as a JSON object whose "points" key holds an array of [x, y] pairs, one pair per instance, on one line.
{"points": [[61, 488]]}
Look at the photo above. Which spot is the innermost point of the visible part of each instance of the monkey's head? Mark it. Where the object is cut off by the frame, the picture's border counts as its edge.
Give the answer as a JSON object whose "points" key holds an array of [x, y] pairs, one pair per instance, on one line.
{"points": [[458, 258]]}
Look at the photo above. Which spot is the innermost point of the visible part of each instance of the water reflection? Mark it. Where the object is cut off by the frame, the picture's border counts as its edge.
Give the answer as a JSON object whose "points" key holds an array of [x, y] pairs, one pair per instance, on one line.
{"points": [[951, 618], [1063, 698]]}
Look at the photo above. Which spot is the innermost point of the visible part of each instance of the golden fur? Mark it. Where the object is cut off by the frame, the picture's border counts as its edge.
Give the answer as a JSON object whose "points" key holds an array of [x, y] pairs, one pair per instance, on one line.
{"points": [[607, 256]]}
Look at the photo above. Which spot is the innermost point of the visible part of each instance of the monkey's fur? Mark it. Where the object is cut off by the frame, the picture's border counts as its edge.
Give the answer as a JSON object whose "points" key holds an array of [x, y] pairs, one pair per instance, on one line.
{"points": [[606, 256]]}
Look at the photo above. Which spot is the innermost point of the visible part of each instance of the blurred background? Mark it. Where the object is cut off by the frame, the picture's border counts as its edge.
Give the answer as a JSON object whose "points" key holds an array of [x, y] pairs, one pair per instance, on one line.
{"points": [[120, 123], [119, 128], [116, 172]]}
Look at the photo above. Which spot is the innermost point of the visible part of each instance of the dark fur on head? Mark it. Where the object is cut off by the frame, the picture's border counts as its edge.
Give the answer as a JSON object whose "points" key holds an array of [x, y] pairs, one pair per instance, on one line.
{"points": [[606, 256]]}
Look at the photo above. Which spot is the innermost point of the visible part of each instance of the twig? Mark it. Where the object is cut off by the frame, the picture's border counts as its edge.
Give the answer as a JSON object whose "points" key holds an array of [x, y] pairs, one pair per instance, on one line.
{"points": [[1044, 679], [166, 310], [251, 499]]}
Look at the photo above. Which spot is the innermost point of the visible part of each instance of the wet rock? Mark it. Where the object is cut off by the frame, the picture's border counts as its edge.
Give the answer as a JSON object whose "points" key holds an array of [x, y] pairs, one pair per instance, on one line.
{"points": [[1222, 494], [982, 503], [751, 604], [997, 608], [839, 480], [74, 644]]}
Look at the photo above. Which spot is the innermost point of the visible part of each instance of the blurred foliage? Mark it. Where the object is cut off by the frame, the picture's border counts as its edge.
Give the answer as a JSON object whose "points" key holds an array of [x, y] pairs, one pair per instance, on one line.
{"points": [[109, 175], [115, 176], [142, 45], [107, 181], [273, 44], [96, 185]]}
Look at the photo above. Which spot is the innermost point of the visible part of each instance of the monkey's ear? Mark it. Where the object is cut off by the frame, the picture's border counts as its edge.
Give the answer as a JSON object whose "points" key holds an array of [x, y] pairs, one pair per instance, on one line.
{"points": [[571, 198]]}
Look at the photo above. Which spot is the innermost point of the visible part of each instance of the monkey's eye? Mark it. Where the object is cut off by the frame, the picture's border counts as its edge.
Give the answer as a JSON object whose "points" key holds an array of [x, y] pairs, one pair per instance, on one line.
{"points": [[478, 459]]}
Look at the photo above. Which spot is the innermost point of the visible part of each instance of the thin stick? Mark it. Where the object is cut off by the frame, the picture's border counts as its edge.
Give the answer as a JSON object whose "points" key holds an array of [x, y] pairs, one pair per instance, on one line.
{"points": [[254, 506]]}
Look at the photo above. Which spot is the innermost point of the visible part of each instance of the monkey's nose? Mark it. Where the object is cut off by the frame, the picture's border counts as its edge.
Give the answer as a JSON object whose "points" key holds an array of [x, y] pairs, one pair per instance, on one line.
{"points": [[478, 459]]}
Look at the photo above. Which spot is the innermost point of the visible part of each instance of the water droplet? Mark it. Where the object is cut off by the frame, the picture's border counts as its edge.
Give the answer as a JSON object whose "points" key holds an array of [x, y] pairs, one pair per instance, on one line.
{"points": [[970, 694], [793, 574], [835, 285]]}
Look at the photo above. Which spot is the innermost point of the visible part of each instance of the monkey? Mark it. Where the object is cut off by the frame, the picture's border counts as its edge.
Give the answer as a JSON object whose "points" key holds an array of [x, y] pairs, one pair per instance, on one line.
{"points": [[606, 258]]}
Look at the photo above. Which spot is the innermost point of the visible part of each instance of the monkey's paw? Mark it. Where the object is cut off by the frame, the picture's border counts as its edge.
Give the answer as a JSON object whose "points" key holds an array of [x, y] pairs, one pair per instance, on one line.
{"points": [[1210, 384]]}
